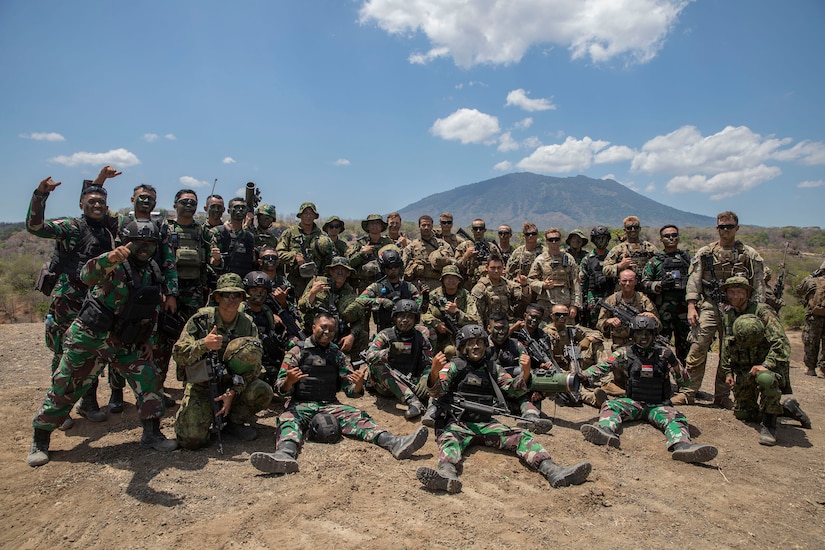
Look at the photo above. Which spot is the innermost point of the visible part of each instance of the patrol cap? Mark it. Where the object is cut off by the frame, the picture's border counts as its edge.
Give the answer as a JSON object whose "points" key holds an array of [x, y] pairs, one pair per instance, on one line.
{"points": [[580, 234], [229, 282], [266, 210], [304, 206], [451, 270], [373, 217], [340, 261], [332, 219], [735, 282]]}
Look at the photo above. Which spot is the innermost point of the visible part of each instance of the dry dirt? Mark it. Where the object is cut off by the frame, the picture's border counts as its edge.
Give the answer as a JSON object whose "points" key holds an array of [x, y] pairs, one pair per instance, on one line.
{"points": [[101, 490]]}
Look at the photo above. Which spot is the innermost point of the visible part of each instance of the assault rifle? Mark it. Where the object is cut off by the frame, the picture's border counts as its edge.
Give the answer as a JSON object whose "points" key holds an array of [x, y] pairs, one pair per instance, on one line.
{"points": [[538, 353], [252, 197], [573, 355], [482, 247], [441, 303], [779, 287], [216, 374], [289, 322], [711, 287], [459, 405], [625, 314]]}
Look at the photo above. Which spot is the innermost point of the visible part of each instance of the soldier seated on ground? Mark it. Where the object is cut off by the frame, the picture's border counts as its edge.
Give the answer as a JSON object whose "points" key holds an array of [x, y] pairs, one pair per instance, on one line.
{"points": [[311, 375], [400, 357], [647, 368], [474, 378]]}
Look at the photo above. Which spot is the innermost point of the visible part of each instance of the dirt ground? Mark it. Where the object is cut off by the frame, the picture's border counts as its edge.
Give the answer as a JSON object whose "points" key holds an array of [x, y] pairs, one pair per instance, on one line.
{"points": [[101, 490]]}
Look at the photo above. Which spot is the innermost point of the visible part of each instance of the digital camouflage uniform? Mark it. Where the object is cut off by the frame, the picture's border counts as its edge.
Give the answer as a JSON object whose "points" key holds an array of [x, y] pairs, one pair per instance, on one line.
{"points": [[388, 349], [424, 260], [742, 260], [664, 280], [504, 297], [620, 336], [341, 303], [595, 285], [812, 290], [754, 395], [639, 252], [315, 246], [473, 269], [85, 350], [564, 271], [252, 394], [467, 314]]}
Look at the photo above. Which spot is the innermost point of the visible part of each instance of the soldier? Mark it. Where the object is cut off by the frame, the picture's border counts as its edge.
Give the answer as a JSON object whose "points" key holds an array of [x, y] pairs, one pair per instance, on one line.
{"points": [[445, 231], [311, 375], [114, 326], [711, 266], [333, 227], [77, 240], [756, 361], [237, 245], [493, 293], [303, 250], [471, 256], [283, 294], [812, 292], [451, 307], [472, 377], [630, 254], [394, 230], [334, 295], [576, 241], [554, 276], [426, 256], [647, 367], [595, 285], [505, 233], [399, 359], [664, 280], [363, 254], [523, 257], [265, 231], [214, 209], [770, 293], [610, 325], [380, 297], [274, 339], [207, 336]]}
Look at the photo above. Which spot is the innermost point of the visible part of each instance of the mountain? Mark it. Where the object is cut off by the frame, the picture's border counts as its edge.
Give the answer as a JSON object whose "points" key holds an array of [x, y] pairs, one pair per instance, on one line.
{"points": [[549, 201]]}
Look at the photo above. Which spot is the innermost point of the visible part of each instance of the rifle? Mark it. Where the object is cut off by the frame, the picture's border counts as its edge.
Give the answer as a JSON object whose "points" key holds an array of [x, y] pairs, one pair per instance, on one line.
{"points": [[289, 322], [625, 313], [538, 353], [779, 287], [573, 355], [344, 328], [482, 247], [459, 405], [216, 374], [252, 197], [441, 303]]}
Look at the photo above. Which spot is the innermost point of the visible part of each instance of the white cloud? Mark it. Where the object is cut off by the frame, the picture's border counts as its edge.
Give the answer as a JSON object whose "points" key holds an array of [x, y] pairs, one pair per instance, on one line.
{"points": [[189, 181], [342, 162], [507, 143], [519, 98], [503, 166], [650, 188], [806, 152], [502, 31], [228, 160], [524, 123], [532, 142], [150, 137], [472, 83], [616, 153], [121, 158], [467, 126], [43, 136], [170, 137], [570, 156], [725, 184], [811, 184]]}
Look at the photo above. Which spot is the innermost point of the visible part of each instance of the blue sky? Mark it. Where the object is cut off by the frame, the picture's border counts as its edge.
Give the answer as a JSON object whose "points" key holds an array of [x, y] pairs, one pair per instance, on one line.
{"points": [[367, 106]]}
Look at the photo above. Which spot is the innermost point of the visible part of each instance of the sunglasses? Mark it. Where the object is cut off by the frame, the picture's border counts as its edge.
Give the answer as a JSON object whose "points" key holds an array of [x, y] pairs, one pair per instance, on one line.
{"points": [[187, 202], [269, 259], [504, 233], [445, 222], [530, 233], [726, 226], [554, 239], [560, 315], [232, 295], [632, 227], [479, 228], [670, 236]]}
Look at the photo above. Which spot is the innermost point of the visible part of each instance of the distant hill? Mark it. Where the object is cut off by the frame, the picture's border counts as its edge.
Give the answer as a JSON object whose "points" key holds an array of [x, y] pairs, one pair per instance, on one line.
{"points": [[549, 201]]}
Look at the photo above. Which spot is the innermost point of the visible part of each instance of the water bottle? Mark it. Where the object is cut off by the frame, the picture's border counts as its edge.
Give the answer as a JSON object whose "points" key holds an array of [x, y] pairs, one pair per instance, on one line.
{"points": [[49, 321]]}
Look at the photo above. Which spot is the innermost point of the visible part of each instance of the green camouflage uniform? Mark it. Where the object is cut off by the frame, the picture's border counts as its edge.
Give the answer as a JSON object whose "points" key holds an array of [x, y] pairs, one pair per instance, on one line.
{"points": [[351, 315], [813, 333], [85, 350], [670, 302], [252, 394], [754, 395], [467, 314], [317, 247], [384, 349]]}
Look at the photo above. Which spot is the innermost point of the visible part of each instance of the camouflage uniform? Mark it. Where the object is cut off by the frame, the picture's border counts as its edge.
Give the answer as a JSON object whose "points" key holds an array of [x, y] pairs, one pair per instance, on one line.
{"points": [[351, 314], [558, 341], [237, 249], [566, 284], [759, 394], [379, 297], [503, 297], [389, 348], [507, 355], [473, 269], [252, 394], [452, 239], [621, 335], [86, 349], [595, 285], [467, 314], [315, 246], [424, 260], [639, 252], [520, 261], [366, 266], [813, 333], [742, 260], [266, 237], [664, 280]]}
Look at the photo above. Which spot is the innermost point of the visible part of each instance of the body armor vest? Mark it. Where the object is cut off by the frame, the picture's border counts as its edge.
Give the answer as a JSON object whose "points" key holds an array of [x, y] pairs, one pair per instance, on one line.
{"points": [[94, 240], [596, 280], [136, 321], [187, 246], [730, 263], [648, 378], [323, 382], [405, 351], [238, 251], [474, 384], [507, 355], [383, 317], [638, 254], [675, 268]]}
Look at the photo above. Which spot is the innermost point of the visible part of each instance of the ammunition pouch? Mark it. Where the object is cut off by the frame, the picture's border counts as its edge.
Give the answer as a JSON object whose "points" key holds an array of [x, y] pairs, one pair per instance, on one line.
{"points": [[198, 373], [95, 316], [46, 279]]}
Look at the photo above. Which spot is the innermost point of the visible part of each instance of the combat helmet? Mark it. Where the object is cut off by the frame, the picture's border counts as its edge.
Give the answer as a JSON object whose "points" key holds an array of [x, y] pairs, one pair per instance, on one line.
{"points": [[257, 279], [406, 306], [643, 322], [324, 428], [468, 332], [243, 354], [139, 230], [748, 330], [390, 257]]}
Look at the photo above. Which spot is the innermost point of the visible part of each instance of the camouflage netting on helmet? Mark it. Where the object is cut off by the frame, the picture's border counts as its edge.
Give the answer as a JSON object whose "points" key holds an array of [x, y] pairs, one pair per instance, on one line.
{"points": [[244, 354], [748, 330]]}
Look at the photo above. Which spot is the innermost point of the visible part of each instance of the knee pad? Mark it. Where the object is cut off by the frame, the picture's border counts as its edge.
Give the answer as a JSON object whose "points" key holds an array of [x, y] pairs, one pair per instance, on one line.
{"points": [[765, 380]]}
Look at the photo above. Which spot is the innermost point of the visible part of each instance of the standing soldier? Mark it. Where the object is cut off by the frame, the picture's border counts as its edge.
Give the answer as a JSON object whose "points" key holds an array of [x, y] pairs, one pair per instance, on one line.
{"points": [[237, 245], [523, 257], [756, 361], [451, 307], [114, 326], [266, 233], [426, 256], [77, 241], [576, 241], [394, 230], [471, 256], [505, 233], [664, 280], [363, 254], [493, 293], [445, 231], [595, 284], [554, 276], [214, 209], [812, 292], [711, 266], [333, 228], [630, 254], [303, 250]]}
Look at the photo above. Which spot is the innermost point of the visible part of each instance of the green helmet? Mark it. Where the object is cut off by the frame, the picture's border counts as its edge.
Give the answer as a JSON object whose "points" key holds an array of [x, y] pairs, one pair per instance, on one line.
{"points": [[748, 330], [267, 210], [243, 354]]}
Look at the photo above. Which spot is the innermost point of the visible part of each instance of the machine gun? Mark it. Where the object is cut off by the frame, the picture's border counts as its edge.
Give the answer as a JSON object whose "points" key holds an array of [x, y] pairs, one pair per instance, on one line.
{"points": [[252, 197], [441, 303], [625, 314], [538, 353]]}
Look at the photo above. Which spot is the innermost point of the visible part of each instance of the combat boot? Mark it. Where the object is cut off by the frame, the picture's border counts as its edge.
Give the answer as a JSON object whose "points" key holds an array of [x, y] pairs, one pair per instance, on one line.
{"points": [[39, 452], [88, 407], [563, 476], [682, 399], [403, 446], [116, 401], [723, 402], [153, 438], [793, 410], [810, 372], [535, 424], [68, 424], [600, 436], [240, 431], [693, 452], [767, 434], [429, 417], [282, 461], [443, 479], [414, 408]]}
